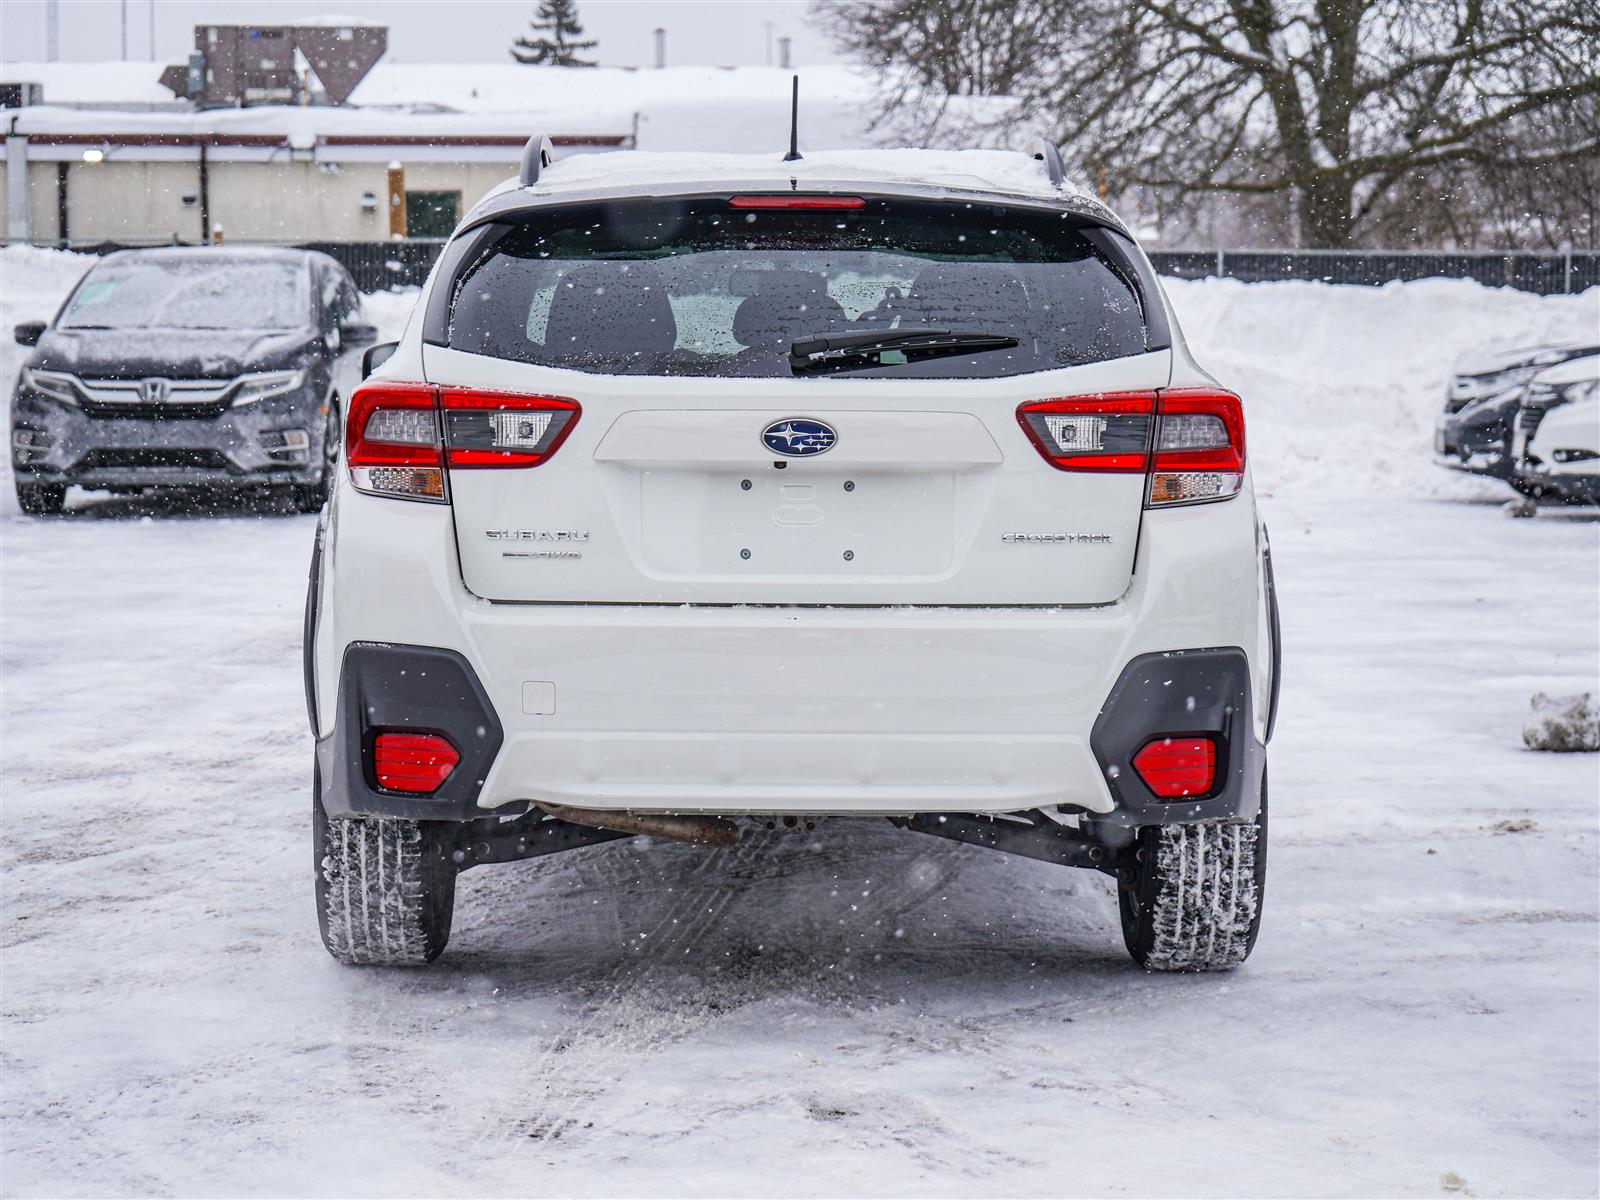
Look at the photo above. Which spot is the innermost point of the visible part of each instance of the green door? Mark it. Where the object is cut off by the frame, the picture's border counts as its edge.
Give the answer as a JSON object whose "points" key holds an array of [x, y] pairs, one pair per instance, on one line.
{"points": [[432, 214]]}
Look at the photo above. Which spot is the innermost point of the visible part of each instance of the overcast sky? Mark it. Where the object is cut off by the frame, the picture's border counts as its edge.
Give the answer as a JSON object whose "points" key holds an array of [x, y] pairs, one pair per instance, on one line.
{"points": [[715, 32]]}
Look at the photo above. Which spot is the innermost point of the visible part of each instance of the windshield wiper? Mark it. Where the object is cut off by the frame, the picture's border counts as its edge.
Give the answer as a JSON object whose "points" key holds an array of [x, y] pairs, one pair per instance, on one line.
{"points": [[832, 350]]}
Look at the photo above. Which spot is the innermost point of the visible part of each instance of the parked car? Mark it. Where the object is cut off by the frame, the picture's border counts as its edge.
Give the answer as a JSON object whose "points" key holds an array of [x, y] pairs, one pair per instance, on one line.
{"points": [[1556, 441], [703, 496], [189, 367], [1473, 433]]}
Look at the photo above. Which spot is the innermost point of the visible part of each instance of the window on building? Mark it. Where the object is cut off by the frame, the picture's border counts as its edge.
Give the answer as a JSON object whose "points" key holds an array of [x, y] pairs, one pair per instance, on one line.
{"points": [[432, 214]]}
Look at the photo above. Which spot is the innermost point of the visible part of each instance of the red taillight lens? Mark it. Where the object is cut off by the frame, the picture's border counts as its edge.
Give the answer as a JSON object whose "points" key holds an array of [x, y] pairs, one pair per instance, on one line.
{"points": [[503, 429], [412, 762], [1106, 433], [790, 201], [392, 443], [1177, 767], [1190, 440], [1199, 450], [396, 446]]}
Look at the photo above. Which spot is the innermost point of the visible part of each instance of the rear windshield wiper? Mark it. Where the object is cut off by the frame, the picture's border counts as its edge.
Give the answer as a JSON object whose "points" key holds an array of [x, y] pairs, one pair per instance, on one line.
{"points": [[832, 350]]}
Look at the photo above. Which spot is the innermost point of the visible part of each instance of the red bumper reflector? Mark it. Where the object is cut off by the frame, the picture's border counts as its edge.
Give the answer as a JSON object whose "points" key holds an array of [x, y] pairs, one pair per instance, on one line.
{"points": [[1175, 767], [412, 762]]}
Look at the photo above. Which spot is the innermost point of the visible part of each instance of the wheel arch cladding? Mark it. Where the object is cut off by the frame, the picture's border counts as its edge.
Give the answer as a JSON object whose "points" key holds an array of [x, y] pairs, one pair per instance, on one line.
{"points": [[1180, 692], [425, 689]]}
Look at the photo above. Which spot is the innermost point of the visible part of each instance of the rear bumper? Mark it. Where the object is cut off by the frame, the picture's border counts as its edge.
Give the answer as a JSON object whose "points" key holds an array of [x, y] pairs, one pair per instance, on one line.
{"points": [[864, 711]]}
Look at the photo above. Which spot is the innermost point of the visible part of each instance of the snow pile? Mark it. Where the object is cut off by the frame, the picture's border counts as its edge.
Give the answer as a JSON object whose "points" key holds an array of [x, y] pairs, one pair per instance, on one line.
{"points": [[1342, 384], [1563, 723]]}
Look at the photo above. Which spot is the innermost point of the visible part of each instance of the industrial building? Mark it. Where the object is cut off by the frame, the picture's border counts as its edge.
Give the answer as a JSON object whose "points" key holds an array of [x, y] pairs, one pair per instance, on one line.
{"points": [[278, 138]]}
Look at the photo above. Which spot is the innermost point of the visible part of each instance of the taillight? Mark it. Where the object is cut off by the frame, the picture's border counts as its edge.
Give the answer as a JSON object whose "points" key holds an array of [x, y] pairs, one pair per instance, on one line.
{"points": [[412, 762], [1199, 450], [396, 445], [1106, 433], [392, 445], [1178, 767], [503, 429], [1189, 440]]}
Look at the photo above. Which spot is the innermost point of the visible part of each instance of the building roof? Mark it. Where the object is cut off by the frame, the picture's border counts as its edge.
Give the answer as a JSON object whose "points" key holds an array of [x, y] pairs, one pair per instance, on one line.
{"points": [[677, 108]]}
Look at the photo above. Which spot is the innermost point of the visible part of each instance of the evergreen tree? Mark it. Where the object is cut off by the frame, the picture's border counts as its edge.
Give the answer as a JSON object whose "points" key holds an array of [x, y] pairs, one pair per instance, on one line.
{"points": [[557, 37]]}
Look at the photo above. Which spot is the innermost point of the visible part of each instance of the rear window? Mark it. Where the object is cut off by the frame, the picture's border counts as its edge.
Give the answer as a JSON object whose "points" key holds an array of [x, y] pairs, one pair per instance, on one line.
{"points": [[700, 288]]}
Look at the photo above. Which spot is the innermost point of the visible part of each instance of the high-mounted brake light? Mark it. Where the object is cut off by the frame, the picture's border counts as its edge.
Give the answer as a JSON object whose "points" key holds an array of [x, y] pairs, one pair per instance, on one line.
{"points": [[1199, 451], [1108, 433], [412, 762], [1178, 767], [503, 429], [392, 445], [790, 201]]}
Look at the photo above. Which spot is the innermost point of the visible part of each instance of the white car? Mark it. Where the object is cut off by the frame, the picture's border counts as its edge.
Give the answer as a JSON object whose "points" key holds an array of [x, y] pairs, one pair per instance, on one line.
{"points": [[1556, 440], [707, 496]]}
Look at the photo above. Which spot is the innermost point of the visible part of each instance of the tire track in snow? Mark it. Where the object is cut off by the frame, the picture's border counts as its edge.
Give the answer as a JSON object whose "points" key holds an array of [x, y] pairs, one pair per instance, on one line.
{"points": [[636, 1008]]}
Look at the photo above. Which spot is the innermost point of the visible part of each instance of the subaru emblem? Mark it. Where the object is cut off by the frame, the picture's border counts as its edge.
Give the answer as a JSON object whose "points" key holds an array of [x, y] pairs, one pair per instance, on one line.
{"points": [[798, 437]]}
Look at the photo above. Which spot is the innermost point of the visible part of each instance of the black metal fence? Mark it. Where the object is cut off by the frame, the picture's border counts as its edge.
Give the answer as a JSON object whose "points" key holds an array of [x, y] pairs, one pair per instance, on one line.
{"points": [[1545, 274], [380, 265]]}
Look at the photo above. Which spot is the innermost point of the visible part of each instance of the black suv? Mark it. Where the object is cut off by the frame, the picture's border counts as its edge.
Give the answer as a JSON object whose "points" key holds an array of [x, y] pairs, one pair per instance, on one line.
{"points": [[199, 368]]}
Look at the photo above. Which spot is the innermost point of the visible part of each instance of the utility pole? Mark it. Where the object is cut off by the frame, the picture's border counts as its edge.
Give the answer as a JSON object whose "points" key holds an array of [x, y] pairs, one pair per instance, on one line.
{"points": [[124, 30], [661, 47], [769, 43], [783, 53], [152, 7], [52, 30]]}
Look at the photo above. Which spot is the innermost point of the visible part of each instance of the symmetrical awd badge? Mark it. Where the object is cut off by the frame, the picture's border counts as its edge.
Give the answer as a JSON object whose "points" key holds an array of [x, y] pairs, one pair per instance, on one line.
{"points": [[798, 437]]}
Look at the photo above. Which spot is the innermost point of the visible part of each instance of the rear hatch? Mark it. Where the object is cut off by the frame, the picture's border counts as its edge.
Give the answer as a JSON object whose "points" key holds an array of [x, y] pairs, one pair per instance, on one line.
{"points": [[640, 410]]}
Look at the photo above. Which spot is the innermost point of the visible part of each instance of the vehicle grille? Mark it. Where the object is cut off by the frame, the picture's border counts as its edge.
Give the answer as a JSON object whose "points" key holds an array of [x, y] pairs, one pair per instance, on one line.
{"points": [[209, 460], [152, 412], [186, 399], [1528, 419]]}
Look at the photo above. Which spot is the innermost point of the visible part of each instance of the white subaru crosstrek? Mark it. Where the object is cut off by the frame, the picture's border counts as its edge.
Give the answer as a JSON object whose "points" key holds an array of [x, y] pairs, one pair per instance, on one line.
{"points": [[708, 495]]}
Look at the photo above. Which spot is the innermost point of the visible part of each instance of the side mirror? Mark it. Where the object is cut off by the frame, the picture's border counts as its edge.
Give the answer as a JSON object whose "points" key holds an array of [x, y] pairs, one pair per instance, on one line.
{"points": [[29, 332], [359, 333], [377, 356]]}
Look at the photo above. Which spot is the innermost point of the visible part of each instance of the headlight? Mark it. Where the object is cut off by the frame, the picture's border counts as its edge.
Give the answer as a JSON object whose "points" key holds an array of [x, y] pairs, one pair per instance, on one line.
{"points": [[1578, 389], [51, 383], [251, 388]]}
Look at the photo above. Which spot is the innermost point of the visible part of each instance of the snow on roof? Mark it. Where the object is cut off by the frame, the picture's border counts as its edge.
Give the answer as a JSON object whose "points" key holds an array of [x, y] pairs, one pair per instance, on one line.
{"points": [[1006, 171], [301, 125], [333, 21], [743, 109]]}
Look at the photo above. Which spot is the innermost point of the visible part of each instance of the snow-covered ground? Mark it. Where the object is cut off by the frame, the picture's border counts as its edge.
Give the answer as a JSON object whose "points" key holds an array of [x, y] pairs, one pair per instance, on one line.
{"points": [[860, 1011]]}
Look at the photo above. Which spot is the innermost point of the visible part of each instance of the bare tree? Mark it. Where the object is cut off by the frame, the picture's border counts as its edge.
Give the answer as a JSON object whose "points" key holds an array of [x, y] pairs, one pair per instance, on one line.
{"points": [[1346, 108]]}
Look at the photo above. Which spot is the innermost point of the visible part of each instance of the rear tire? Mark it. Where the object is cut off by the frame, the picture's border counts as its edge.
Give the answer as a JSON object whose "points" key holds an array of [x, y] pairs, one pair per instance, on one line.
{"points": [[385, 888], [41, 499], [1195, 902]]}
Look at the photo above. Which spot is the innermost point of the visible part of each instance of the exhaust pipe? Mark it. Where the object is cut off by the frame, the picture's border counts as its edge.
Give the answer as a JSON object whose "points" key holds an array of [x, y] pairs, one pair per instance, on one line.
{"points": [[699, 831]]}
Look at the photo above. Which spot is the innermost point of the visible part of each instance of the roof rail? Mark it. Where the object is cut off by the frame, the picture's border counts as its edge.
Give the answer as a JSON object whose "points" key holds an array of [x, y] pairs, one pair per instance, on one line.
{"points": [[1047, 153], [537, 156]]}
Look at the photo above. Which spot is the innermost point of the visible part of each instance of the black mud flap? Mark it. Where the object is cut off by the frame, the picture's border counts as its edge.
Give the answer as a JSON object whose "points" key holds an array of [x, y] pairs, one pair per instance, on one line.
{"points": [[1177, 693], [421, 689]]}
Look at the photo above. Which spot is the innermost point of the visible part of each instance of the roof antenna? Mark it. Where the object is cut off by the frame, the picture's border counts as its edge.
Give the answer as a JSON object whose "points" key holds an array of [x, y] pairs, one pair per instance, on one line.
{"points": [[794, 125]]}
